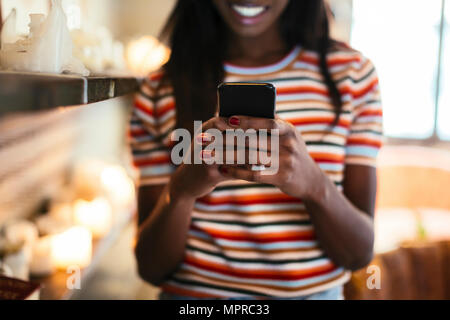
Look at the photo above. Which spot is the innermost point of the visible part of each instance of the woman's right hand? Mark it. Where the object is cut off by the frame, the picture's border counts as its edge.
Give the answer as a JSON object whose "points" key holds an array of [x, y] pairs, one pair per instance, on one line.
{"points": [[193, 181]]}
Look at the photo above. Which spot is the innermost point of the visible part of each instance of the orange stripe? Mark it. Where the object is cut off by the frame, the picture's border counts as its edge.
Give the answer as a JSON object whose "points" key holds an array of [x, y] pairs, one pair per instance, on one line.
{"points": [[377, 112], [317, 120], [141, 106], [265, 237], [326, 156], [278, 274], [162, 110], [364, 141], [249, 198], [164, 159], [359, 93], [155, 76], [332, 62]]}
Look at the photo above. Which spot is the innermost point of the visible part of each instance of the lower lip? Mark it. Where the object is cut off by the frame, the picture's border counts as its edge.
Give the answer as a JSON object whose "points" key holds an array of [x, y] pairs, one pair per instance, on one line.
{"points": [[249, 20]]}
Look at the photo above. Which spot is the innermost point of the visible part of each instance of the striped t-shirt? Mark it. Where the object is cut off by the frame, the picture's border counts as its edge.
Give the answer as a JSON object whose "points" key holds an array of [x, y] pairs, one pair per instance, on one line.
{"points": [[248, 239]]}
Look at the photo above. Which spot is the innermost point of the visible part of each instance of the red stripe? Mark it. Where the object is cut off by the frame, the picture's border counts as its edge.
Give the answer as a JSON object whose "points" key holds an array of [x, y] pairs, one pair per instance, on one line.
{"points": [[154, 161], [301, 89], [326, 160], [356, 141], [156, 76], [360, 93], [249, 202], [249, 274], [300, 122], [138, 132], [370, 113], [308, 236], [139, 105]]}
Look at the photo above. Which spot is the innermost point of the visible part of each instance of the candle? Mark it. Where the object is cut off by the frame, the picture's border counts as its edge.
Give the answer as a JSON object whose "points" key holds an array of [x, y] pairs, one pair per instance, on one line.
{"points": [[62, 212], [95, 215], [49, 224], [22, 232], [146, 54], [42, 262], [118, 186], [72, 248]]}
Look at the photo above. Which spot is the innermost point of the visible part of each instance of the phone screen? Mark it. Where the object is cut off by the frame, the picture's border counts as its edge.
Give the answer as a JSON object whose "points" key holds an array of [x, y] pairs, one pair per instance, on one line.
{"points": [[252, 99]]}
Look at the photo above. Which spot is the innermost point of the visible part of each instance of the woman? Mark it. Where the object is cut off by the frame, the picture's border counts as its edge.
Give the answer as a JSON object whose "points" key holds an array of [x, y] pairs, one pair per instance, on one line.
{"points": [[211, 231]]}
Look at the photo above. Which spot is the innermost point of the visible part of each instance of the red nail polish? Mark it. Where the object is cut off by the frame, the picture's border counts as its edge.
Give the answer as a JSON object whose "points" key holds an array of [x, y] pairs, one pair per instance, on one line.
{"points": [[234, 121]]}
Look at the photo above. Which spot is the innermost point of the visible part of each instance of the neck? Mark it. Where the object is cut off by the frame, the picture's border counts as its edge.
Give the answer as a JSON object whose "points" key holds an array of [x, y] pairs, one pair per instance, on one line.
{"points": [[262, 49]]}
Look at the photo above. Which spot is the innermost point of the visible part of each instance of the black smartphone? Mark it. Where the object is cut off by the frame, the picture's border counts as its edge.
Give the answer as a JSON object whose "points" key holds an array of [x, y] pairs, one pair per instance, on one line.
{"points": [[252, 99]]}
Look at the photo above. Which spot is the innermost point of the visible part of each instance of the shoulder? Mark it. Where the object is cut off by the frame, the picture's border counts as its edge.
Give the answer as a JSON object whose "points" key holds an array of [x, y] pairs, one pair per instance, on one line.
{"points": [[155, 84], [344, 60]]}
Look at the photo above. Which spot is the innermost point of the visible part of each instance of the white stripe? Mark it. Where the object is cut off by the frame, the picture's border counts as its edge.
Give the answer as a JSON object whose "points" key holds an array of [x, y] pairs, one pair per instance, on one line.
{"points": [[249, 208]]}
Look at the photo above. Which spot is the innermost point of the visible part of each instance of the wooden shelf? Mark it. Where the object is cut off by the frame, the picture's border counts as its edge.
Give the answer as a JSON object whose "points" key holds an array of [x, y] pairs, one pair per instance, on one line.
{"points": [[22, 92]]}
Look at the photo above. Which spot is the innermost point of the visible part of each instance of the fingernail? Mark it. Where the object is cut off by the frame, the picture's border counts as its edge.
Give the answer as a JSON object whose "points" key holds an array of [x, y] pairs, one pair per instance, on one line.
{"points": [[234, 121]]}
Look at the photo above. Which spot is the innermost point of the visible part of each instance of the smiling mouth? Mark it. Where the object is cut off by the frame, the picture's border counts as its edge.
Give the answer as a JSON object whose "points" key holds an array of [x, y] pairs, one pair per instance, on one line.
{"points": [[248, 11]]}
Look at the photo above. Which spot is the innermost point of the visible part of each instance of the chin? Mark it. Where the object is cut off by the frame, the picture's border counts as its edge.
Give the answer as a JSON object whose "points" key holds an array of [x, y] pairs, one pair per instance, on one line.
{"points": [[250, 31]]}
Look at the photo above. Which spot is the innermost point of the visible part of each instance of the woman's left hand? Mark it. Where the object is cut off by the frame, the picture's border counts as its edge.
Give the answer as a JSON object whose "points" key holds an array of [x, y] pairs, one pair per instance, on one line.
{"points": [[297, 172]]}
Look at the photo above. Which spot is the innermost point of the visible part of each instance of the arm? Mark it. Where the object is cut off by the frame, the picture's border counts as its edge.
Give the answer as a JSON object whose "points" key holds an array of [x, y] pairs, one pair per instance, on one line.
{"points": [[165, 215], [343, 222], [162, 234]]}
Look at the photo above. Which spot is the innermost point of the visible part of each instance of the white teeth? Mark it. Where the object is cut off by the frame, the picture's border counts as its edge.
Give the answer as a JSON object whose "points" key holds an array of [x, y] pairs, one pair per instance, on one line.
{"points": [[248, 12]]}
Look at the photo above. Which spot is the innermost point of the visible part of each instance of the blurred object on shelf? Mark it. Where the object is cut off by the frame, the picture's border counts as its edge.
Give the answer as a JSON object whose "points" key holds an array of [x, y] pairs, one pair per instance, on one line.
{"points": [[22, 232], [47, 48], [92, 178], [9, 34], [42, 262], [15, 289], [118, 186], [86, 178], [72, 248], [95, 215], [5, 270], [146, 54], [14, 259], [50, 224], [98, 50]]}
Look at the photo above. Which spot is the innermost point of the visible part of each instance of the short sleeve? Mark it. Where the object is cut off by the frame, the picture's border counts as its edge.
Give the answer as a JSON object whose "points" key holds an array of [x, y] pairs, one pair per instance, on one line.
{"points": [[151, 124], [365, 135]]}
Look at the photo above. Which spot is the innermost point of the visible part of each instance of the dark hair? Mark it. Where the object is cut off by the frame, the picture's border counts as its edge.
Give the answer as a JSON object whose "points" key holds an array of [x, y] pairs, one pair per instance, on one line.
{"points": [[197, 37]]}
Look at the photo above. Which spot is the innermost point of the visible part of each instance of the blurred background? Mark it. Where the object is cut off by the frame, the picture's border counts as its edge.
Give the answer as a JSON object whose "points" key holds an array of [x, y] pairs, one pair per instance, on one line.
{"points": [[71, 161]]}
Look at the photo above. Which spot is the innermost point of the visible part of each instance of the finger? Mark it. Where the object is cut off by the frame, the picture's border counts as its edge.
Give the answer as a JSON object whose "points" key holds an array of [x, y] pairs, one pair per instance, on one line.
{"points": [[218, 123], [204, 139], [236, 139], [246, 123], [240, 173], [244, 173], [243, 156]]}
